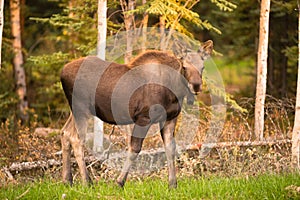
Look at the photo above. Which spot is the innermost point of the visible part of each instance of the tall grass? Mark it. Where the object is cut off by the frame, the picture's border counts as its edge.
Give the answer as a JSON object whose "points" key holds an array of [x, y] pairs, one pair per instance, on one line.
{"points": [[260, 187]]}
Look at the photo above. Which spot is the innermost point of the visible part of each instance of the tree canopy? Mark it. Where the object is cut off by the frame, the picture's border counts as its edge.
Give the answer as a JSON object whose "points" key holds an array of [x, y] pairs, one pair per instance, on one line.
{"points": [[55, 32]]}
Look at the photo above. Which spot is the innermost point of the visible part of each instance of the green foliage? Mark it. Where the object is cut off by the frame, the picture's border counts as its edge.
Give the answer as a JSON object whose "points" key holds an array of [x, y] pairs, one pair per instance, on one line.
{"points": [[179, 14], [224, 5], [8, 100], [46, 60], [227, 98], [77, 25], [239, 40], [291, 53], [55, 33], [239, 29], [47, 98]]}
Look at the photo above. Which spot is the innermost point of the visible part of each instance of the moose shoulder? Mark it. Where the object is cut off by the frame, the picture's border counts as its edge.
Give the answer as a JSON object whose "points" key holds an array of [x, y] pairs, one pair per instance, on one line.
{"points": [[150, 89]]}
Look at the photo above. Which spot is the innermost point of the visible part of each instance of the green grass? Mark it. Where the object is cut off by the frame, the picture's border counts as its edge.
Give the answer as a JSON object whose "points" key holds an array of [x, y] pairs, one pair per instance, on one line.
{"points": [[260, 187]]}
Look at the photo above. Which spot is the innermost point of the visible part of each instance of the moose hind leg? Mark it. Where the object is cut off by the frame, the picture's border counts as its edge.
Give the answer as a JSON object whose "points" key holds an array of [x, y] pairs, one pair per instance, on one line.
{"points": [[66, 150], [167, 133], [135, 146], [78, 148], [66, 158]]}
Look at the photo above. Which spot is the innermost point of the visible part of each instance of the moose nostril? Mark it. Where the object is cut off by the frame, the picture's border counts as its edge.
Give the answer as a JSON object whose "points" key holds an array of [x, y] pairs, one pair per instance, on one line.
{"points": [[196, 87]]}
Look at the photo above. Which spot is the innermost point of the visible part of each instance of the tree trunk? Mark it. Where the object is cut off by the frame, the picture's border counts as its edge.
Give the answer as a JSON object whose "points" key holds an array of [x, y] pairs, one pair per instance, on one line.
{"points": [[296, 129], [162, 26], [129, 26], [145, 25], [102, 28], [72, 37], [20, 77], [262, 69], [1, 26], [101, 44]]}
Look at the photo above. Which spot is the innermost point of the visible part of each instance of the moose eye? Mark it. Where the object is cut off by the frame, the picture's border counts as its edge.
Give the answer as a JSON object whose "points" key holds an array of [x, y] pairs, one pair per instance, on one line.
{"points": [[188, 58]]}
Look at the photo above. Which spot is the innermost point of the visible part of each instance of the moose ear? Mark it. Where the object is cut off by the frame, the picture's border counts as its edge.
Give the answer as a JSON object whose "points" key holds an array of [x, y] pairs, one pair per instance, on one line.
{"points": [[179, 49], [206, 49]]}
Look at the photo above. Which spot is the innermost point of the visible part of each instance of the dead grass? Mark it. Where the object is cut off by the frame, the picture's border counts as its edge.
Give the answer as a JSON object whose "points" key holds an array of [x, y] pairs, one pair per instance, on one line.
{"points": [[25, 145]]}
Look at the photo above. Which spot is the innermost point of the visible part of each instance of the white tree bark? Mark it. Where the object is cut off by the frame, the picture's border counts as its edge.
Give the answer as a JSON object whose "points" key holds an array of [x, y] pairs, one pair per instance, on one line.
{"points": [[1, 26], [20, 77], [102, 28], [129, 26], [262, 69], [101, 44], [296, 128]]}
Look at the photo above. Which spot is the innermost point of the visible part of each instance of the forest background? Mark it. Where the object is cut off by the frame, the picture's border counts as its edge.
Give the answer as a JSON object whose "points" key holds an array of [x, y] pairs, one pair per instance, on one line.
{"points": [[55, 32]]}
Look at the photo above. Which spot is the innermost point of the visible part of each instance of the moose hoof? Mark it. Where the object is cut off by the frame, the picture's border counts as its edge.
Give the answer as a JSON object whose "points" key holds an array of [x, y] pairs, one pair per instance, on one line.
{"points": [[87, 181], [68, 181], [121, 184], [173, 185]]}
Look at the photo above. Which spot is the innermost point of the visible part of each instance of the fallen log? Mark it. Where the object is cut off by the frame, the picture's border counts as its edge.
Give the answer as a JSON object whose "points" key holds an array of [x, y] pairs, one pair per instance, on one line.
{"points": [[238, 143], [32, 165]]}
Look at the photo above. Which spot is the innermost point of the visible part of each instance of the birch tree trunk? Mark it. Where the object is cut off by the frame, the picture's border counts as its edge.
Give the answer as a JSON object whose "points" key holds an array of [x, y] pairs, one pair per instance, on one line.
{"points": [[296, 128], [102, 28], [101, 44], [1, 26], [262, 69], [20, 77], [129, 26]]}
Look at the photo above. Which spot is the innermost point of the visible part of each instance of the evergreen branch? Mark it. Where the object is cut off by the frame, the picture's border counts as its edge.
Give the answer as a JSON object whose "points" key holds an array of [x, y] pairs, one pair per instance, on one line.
{"points": [[158, 7], [221, 93], [224, 5], [178, 27]]}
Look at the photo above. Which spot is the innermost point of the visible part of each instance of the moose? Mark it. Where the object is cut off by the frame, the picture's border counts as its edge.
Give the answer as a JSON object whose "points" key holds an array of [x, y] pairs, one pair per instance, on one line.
{"points": [[148, 90]]}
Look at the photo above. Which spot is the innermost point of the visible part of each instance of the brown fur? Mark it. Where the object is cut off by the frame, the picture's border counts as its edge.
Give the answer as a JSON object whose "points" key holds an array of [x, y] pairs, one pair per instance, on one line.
{"points": [[92, 85], [153, 56]]}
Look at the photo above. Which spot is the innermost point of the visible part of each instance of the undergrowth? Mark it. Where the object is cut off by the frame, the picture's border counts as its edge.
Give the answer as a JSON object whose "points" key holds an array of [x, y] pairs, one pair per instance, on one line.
{"points": [[25, 144]]}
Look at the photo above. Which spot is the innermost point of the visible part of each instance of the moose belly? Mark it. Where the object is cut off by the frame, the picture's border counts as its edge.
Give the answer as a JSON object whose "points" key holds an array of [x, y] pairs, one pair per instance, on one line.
{"points": [[148, 104]]}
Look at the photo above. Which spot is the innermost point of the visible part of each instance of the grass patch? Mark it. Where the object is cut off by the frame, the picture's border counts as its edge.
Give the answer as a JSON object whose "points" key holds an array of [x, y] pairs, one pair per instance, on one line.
{"points": [[256, 187]]}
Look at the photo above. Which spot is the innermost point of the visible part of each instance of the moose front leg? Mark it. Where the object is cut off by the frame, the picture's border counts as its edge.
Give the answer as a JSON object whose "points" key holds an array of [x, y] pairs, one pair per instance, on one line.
{"points": [[167, 134], [135, 146]]}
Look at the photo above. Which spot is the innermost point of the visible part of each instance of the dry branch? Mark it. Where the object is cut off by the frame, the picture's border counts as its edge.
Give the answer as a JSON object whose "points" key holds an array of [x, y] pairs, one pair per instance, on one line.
{"points": [[8, 174], [240, 144], [32, 165]]}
